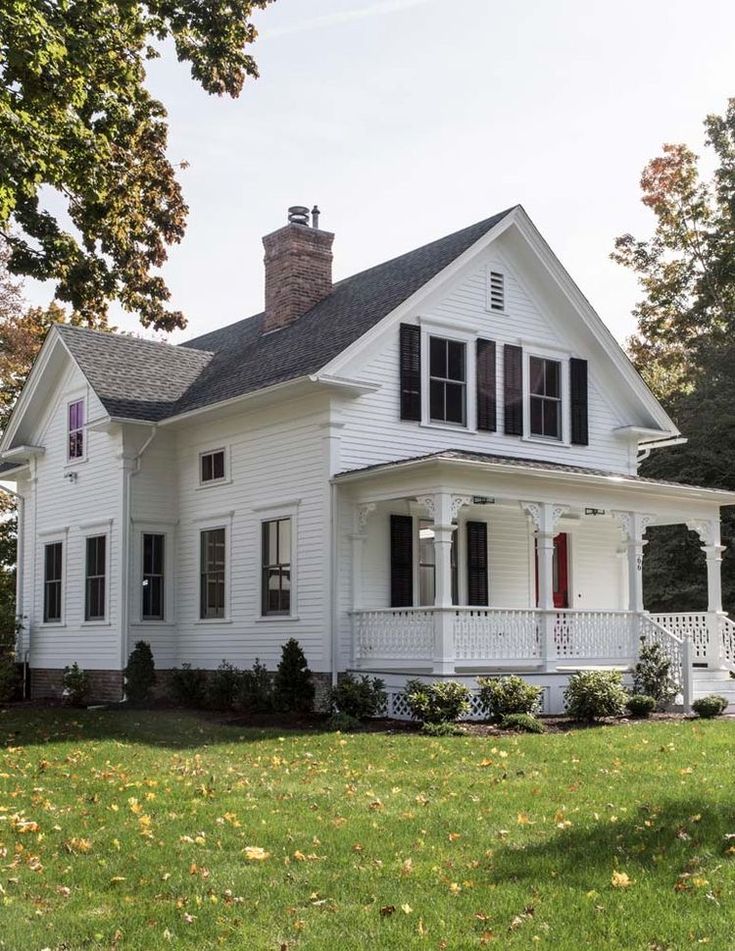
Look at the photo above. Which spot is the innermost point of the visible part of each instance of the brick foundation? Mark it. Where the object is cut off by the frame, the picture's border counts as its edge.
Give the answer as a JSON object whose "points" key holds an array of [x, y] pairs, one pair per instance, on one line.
{"points": [[48, 684]]}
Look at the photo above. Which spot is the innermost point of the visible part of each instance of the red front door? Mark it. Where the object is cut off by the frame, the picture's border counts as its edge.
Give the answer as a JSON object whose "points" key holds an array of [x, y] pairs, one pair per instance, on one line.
{"points": [[561, 571]]}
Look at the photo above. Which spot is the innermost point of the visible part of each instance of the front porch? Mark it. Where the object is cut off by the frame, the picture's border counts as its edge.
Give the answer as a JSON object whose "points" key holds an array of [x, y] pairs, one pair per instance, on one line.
{"points": [[521, 574]]}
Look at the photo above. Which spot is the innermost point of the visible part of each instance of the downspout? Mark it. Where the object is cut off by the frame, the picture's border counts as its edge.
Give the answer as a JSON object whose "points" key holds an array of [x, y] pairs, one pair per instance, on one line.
{"points": [[126, 533], [333, 586]]}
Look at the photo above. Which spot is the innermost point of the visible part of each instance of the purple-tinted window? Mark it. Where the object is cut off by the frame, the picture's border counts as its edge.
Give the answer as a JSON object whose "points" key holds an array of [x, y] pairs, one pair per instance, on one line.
{"points": [[76, 429]]}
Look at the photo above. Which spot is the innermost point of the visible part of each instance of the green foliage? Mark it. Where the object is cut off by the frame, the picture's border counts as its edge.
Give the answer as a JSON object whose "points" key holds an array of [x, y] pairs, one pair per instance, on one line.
{"points": [[595, 694], [362, 697], [344, 723], [710, 706], [443, 728], [9, 677], [140, 674], [438, 702], [256, 689], [522, 723], [77, 119], [76, 685], [640, 705], [504, 695], [188, 686], [652, 673], [223, 687], [293, 688]]}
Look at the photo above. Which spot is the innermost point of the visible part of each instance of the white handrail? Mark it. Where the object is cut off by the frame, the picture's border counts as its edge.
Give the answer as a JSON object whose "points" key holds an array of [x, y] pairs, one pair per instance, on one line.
{"points": [[680, 651]]}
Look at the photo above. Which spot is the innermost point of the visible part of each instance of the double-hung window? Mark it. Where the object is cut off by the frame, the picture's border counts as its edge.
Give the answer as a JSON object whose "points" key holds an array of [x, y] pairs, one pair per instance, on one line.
{"points": [[212, 466], [212, 574], [447, 381], [52, 571], [153, 577], [545, 397], [96, 578], [276, 566], [75, 429]]}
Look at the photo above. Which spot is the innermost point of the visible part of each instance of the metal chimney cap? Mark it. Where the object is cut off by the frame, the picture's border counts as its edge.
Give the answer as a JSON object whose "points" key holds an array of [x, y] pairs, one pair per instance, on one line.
{"points": [[298, 215]]}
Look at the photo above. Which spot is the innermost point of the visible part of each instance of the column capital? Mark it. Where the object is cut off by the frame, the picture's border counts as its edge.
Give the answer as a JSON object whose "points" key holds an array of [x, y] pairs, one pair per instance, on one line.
{"points": [[544, 515], [363, 514], [427, 502], [708, 530], [633, 525]]}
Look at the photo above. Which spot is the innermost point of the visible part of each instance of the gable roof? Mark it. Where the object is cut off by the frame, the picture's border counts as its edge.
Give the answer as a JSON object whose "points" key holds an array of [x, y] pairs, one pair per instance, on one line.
{"points": [[146, 380]]}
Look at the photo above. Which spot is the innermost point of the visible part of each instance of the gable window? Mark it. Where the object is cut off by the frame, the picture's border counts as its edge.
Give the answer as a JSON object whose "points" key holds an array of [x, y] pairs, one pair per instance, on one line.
{"points": [[96, 578], [212, 466], [212, 591], [545, 397], [153, 577], [52, 569], [276, 567], [447, 381], [75, 429]]}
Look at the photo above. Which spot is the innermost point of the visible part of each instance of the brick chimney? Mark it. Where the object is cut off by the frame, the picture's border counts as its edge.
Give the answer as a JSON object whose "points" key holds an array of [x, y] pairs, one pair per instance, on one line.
{"points": [[298, 268]]}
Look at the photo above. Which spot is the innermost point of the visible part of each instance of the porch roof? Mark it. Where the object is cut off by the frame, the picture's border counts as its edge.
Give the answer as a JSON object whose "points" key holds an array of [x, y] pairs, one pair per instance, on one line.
{"points": [[501, 463]]}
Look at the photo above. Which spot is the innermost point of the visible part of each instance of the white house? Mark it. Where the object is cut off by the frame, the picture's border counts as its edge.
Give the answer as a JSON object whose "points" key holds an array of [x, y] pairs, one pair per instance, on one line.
{"points": [[429, 468]]}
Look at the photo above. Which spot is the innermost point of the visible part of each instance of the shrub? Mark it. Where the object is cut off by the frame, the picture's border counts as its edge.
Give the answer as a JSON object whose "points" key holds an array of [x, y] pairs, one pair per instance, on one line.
{"points": [[594, 694], [344, 723], [140, 674], [360, 698], [502, 696], [640, 705], [256, 689], [440, 702], [293, 686], [223, 687], [652, 674], [443, 729], [9, 677], [188, 686], [522, 723], [710, 706], [76, 685]]}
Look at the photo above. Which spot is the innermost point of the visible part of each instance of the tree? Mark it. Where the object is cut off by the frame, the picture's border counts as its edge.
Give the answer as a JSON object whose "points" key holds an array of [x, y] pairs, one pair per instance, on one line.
{"points": [[685, 345], [75, 117]]}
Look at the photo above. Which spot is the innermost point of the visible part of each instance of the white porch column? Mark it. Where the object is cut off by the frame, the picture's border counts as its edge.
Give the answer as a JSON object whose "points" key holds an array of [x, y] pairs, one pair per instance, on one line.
{"points": [[633, 525], [358, 539], [709, 534], [545, 518]]}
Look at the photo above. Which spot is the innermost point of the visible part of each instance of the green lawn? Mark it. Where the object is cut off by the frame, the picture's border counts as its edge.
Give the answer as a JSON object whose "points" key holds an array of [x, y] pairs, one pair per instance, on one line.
{"points": [[154, 830]]}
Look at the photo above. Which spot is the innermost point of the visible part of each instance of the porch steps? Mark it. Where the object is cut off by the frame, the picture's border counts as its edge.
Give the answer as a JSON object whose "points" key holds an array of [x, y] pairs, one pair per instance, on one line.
{"points": [[714, 681]]}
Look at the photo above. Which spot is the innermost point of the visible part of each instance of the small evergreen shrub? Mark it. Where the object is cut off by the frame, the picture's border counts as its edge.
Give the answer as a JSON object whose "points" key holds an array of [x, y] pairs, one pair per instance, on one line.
{"points": [[502, 696], [140, 674], [293, 688], [188, 686], [76, 685], [522, 723], [710, 706], [443, 729], [223, 687], [256, 689], [9, 677], [640, 705], [652, 674], [344, 723], [440, 702], [595, 694], [361, 698]]}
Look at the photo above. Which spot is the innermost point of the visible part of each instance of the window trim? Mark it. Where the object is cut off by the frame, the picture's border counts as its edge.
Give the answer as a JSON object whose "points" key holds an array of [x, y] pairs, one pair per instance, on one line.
{"points": [[224, 520], [225, 479], [104, 619], [52, 538], [202, 618], [468, 337], [76, 460], [562, 358], [168, 530], [287, 510]]}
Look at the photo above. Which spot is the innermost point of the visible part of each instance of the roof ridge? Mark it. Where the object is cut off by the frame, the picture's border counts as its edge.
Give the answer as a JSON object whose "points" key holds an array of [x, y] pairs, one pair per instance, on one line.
{"points": [[124, 335]]}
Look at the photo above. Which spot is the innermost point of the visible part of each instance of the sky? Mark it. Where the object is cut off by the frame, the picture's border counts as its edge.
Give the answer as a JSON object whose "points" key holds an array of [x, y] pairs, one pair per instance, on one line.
{"points": [[405, 120]]}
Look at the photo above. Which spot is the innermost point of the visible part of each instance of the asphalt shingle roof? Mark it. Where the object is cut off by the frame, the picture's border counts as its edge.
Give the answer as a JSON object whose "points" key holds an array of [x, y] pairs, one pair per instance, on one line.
{"points": [[140, 379]]}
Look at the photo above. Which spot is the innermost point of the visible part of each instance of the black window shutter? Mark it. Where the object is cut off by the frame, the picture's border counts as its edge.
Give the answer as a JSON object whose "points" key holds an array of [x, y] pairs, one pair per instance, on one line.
{"points": [[486, 384], [477, 589], [401, 561], [513, 385], [578, 388], [410, 372]]}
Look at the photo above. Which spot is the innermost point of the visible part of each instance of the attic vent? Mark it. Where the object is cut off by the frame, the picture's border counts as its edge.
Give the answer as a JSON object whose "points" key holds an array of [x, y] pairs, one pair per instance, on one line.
{"points": [[497, 291]]}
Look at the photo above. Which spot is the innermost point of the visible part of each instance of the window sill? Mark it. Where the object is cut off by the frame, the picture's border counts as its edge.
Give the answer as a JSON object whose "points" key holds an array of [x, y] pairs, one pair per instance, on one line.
{"points": [[450, 427], [96, 623], [70, 463], [275, 618], [213, 620], [212, 483], [53, 625], [152, 622], [546, 441]]}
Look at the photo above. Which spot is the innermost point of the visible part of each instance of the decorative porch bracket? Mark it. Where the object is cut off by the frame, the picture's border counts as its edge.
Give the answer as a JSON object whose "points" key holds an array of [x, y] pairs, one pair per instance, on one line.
{"points": [[709, 534], [545, 518]]}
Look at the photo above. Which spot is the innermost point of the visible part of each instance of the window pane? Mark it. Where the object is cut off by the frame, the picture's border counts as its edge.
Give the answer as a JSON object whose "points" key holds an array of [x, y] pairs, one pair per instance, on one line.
{"points": [[218, 465], [455, 402], [426, 542], [551, 418], [206, 468], [455, 361], [536, 375], [553, 378], [436, 400], [537, 416], [284, 541], [426, 585], [437, 357]]}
